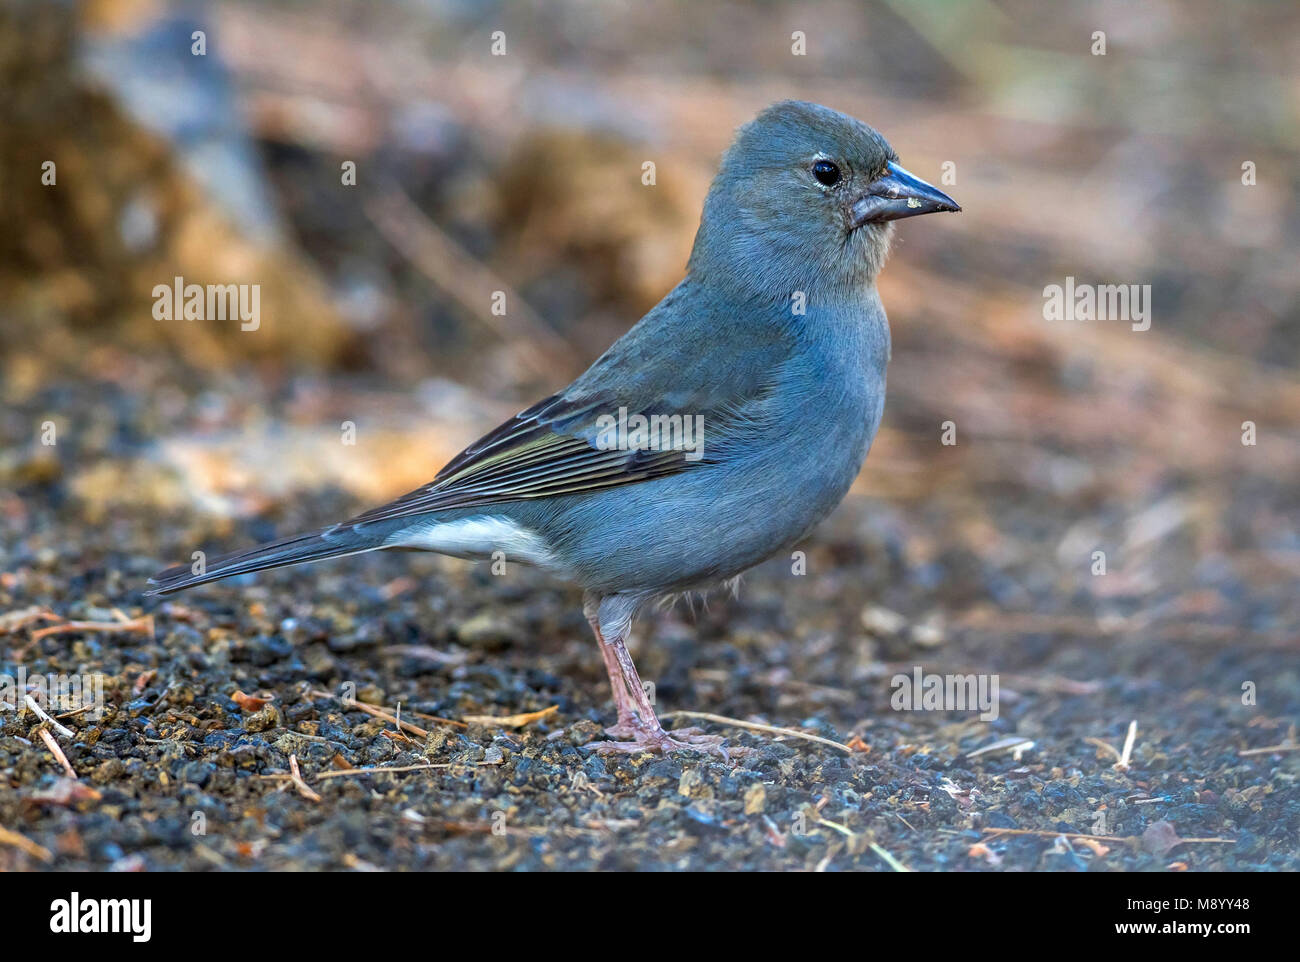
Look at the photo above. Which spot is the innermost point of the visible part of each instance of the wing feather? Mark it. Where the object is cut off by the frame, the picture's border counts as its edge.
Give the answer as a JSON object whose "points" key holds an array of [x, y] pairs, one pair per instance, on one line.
{"points": [[540, 453]]}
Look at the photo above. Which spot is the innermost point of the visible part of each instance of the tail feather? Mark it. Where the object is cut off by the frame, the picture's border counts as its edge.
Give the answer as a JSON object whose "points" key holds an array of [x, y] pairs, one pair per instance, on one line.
{"points": [[310, 546]]}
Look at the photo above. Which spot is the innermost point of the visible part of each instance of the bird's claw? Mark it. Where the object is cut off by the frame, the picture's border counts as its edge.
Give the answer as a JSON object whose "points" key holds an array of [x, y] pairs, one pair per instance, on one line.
{"points": [[645, 739]]}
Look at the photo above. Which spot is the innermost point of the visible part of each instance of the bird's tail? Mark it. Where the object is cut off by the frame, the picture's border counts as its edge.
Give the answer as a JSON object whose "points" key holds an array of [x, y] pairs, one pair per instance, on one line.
{"points": [[313, 546]]}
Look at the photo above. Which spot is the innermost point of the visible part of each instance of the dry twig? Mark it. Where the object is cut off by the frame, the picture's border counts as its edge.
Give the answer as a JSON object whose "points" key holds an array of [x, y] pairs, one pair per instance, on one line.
{"points": [[378, 712], [41, 714], [57, 752], [142, 625], [12, 621], [380, 770], [510, 721], [296, 775], [1124, 756], [757, 727], [25, 844]]}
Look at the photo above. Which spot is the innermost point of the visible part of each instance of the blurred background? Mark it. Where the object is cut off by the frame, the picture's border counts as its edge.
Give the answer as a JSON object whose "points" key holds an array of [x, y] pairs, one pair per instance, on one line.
{"points": [[143, 140], [521, 173]]}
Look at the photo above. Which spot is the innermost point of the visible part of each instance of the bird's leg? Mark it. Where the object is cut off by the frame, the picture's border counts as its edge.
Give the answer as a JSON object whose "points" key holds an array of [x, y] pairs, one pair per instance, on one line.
{"points": [[628, 722], [636, 716]]}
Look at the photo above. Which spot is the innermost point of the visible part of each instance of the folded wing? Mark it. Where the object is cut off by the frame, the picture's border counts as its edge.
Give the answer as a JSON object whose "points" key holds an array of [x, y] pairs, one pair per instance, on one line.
{"points": [[550, 449]]}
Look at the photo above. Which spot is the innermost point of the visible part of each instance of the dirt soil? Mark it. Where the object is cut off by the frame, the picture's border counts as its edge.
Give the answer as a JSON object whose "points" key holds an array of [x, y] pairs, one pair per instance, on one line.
{"points": [[179, 774]]}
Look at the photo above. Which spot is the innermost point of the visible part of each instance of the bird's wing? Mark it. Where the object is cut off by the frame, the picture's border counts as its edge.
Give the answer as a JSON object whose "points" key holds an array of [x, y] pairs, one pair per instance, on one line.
{"points": [[550, 449], [674, 362]]}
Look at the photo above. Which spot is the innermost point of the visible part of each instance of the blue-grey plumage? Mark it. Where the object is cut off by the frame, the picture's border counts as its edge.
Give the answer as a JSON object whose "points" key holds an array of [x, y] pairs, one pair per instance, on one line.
{"points": [[774, 346], [802, 413]]}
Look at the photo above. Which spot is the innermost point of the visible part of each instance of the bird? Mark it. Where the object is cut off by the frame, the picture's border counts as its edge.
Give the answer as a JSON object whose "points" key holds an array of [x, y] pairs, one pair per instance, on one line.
{"points": [[715, 433]]}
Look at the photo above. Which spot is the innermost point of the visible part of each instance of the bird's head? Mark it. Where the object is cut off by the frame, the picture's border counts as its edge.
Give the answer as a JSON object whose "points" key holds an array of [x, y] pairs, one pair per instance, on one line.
{"points": [[804, 200]]}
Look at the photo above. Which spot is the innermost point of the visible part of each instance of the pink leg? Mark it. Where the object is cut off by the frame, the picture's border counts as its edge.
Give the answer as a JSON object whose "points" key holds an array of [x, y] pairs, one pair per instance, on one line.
{"points": [[636, 716], [628, 722]]}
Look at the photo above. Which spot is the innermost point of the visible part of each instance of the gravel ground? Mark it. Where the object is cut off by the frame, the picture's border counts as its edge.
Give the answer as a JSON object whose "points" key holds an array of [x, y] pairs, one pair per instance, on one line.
{"points": [[179, 774], [974, 558]]}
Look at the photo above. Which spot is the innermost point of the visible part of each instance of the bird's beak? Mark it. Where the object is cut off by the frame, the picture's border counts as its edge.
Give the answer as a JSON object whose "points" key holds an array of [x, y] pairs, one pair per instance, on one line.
{"points": [[896, 195]]}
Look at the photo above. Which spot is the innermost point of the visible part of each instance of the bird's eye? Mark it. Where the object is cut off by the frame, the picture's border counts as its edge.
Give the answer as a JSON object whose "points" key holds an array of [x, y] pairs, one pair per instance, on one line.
{"points": [[826, 173]]}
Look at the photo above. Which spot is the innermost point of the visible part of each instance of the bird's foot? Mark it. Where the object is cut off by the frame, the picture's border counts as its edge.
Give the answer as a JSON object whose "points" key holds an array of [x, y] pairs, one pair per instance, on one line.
{"points": [[625, 728], [653, 738]]}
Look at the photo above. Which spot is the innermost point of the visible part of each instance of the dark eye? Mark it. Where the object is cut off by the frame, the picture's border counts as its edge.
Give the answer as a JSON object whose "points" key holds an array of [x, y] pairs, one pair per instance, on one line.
{"points": [[826, 173]]}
